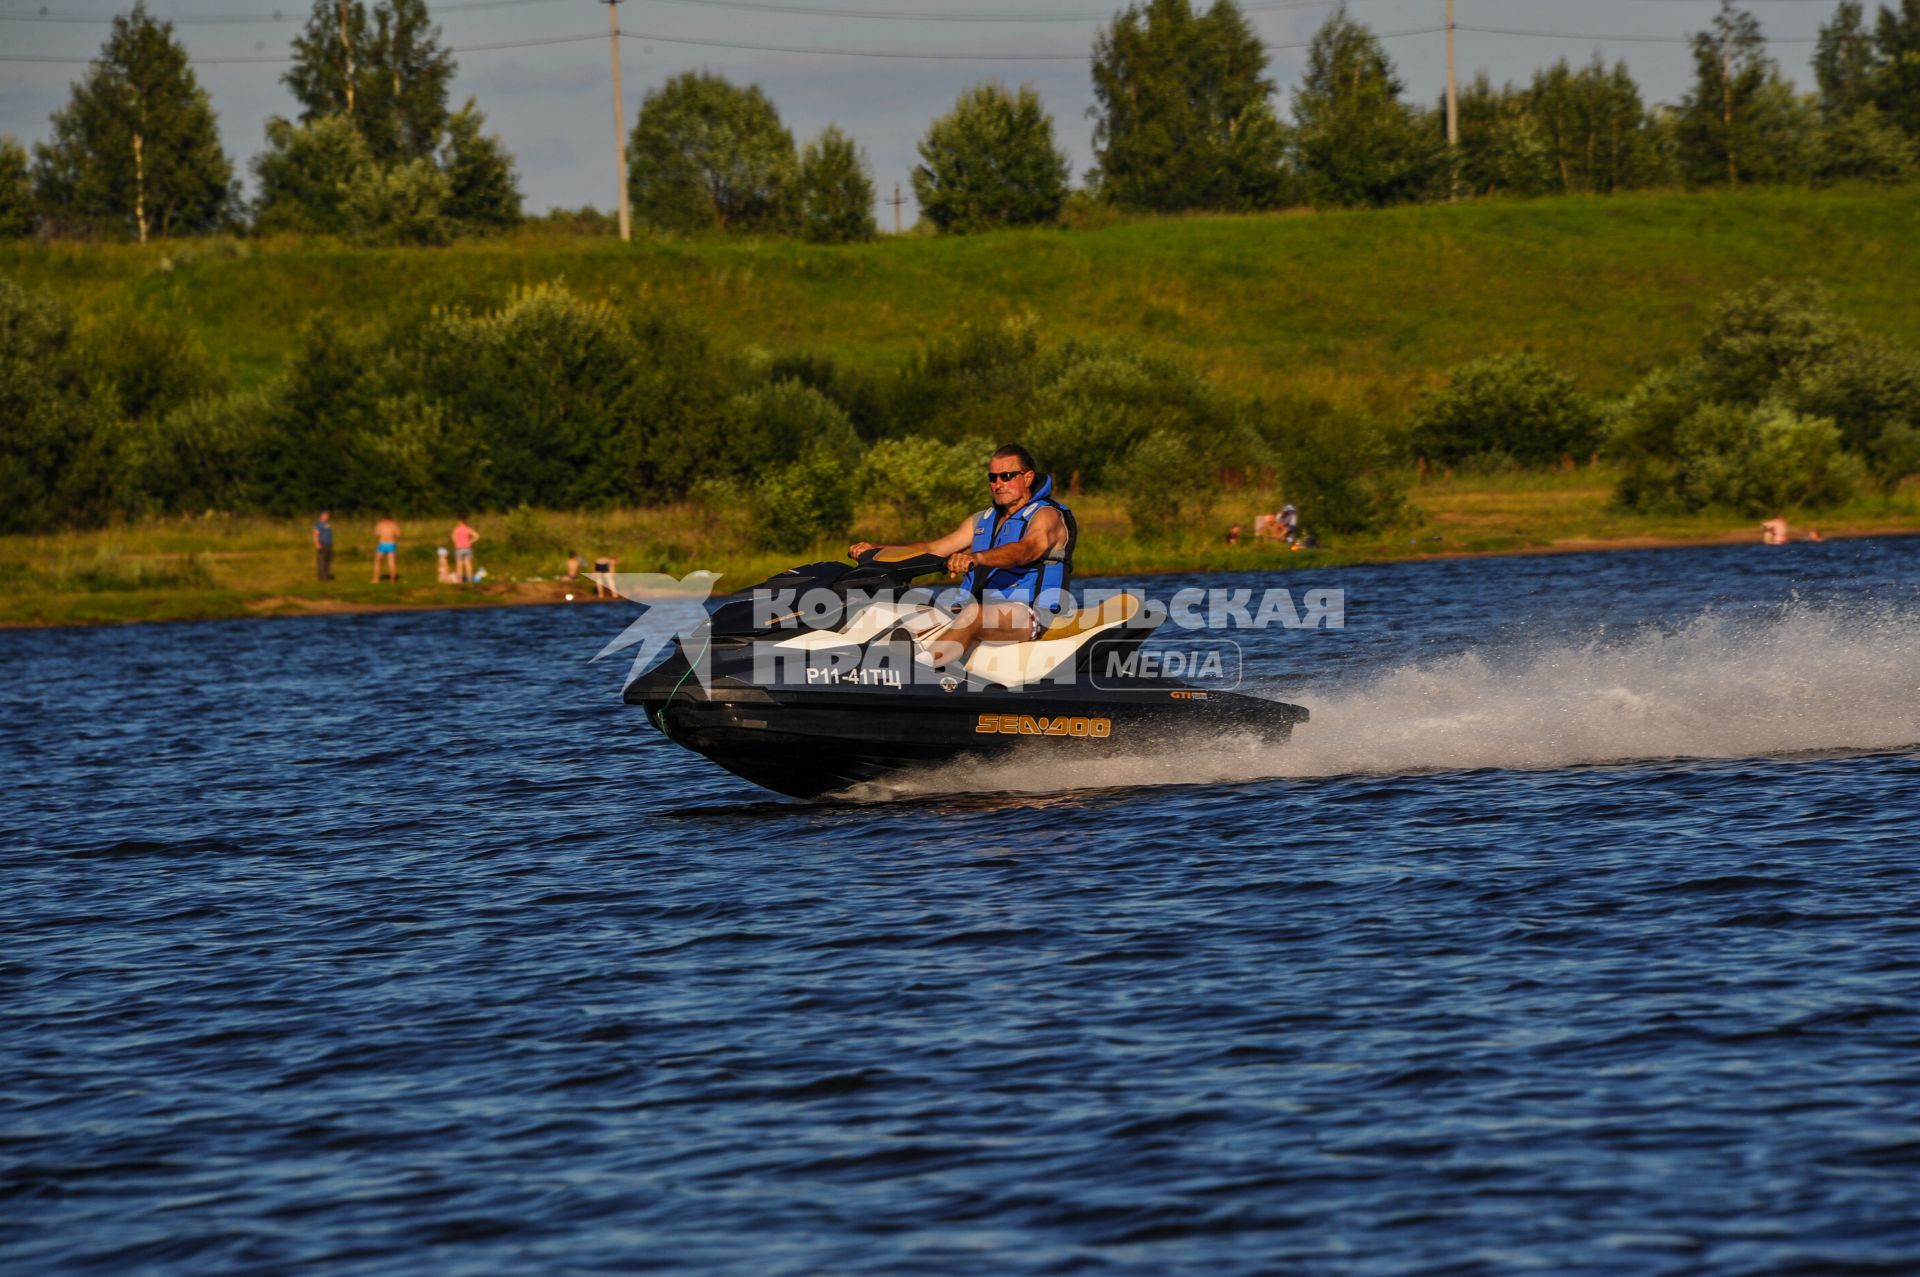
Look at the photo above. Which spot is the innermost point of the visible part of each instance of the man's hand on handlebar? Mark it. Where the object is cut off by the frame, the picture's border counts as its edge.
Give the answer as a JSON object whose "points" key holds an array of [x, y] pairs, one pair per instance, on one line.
{"points": [[961, 563]]}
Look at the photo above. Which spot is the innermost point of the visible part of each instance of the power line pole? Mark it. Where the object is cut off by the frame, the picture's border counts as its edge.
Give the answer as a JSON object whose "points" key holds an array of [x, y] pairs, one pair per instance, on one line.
{"points": [[346, 43], [620, 119], [896, 201], [1453, 117]]}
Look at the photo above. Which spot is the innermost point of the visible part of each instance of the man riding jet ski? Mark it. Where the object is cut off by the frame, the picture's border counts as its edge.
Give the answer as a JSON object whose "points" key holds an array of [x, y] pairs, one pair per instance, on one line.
{"points": [[1015, 557], [809, 699]]}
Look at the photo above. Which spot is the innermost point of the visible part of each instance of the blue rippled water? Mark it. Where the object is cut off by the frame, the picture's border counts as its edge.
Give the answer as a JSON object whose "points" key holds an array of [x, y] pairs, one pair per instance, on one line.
{"points": [[1578, 933]]}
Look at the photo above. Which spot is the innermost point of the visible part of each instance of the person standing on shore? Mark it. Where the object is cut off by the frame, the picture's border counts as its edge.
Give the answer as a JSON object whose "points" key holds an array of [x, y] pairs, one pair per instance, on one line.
{"points": [[603, 569], [323, 545], [386, 545], [463, 539]]}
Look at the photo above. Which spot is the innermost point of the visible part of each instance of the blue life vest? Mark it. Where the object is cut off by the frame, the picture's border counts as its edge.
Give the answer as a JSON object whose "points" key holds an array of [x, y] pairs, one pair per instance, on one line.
{"points": [[1041, 584]]}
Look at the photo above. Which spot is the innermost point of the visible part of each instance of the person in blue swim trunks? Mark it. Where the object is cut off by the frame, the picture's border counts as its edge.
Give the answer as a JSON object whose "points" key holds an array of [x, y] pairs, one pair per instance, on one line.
{"points": [[386, 549]]}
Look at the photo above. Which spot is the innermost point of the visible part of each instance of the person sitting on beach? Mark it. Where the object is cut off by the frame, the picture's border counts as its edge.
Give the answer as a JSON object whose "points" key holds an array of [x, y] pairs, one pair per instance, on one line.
{"points": [[386, 538], [1233, 535], [445, 568], [1014, 557], [573, 564]]}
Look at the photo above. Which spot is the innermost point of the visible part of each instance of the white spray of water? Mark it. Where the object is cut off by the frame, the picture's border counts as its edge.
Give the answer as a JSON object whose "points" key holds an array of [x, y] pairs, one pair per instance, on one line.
{"points": [[1802, 680]]}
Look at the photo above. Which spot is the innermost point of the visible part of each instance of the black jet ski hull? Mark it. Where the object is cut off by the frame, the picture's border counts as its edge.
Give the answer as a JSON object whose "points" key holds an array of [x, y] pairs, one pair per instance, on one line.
{"points": [[811, 742]]}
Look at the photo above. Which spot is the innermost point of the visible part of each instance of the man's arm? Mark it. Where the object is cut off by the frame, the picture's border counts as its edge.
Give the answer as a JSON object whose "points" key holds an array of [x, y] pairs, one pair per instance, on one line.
{"points": [[958, 539], [1042, 530]]}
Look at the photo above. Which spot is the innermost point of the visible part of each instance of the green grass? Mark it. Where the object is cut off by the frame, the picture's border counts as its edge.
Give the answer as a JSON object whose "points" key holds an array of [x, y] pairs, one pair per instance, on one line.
{"points": [[1362, 307]]}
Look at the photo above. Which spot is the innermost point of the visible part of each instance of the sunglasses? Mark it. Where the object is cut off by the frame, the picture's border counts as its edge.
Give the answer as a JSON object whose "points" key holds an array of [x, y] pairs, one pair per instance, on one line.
{"points": [[1004, 476]]}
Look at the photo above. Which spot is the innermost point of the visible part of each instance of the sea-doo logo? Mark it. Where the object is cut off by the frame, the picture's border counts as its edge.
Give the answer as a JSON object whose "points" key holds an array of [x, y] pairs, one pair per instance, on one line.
{"points": [[1041, 725]]}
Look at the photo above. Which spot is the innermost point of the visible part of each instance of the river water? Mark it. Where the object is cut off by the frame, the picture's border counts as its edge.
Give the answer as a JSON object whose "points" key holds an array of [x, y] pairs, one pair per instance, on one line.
{"points": [[1578, 933]]}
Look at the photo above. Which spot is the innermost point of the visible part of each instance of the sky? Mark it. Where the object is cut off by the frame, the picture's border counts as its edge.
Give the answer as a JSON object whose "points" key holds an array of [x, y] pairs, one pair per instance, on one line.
{"points": [[552, 102]]}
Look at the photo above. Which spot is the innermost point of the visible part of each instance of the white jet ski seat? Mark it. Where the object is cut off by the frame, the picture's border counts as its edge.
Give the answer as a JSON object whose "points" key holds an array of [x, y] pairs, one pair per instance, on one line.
{"points": [[1017, 663]]}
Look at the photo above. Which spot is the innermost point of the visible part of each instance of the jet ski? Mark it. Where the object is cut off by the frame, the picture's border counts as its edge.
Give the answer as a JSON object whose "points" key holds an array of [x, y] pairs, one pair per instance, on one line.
{"points": [[809, 700]]}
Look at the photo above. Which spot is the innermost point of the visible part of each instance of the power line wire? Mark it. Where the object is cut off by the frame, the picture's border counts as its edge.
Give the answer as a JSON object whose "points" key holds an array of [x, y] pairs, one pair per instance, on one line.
{"points": [[910, 15], [1081, 56], [466, 48], [277, 17], [283, 17], [1616, 39], [914, 55], [646, 38]]}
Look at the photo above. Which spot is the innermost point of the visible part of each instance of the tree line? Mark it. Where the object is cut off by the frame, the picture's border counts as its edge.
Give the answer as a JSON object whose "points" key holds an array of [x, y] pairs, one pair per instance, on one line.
{"points": [[545, 398], [376, 152], [1185, 119]]}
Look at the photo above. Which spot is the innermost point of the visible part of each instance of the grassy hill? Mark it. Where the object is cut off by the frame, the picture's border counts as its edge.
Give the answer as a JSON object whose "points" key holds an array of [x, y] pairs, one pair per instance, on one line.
{"points": [[1364, 306]]}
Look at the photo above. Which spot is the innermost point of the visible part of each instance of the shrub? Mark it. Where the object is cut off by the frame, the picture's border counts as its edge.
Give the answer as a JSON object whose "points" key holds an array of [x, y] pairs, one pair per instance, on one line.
{"points": [[549, 385], [1640, 438], [315, 415], [1514, 406], [1081, 407], [197, 457], [58, 436], [526, 534], [1341, 468], [1761, 460], [305, 172], [779, 423], [804, 501], [1169, 481], [152, 366], [857, 393], [1871, 391], [1097, 405], [926, 487], [1864, 146], [404, 204], [411, 454], [724, 507], [803, 451], [16, 191], [585, 220], [1773, 355], [681, 411], [1761, 335]]}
